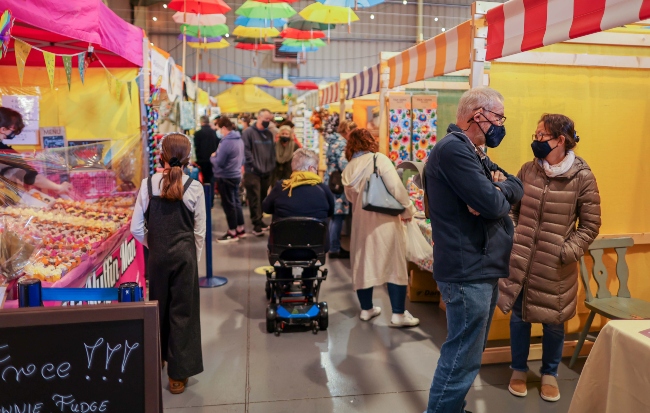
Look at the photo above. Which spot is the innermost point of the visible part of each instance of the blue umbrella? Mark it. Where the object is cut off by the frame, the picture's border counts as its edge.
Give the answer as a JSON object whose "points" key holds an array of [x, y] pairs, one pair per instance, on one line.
{"points": [[351, 3], [200, 39], [249, 22], [297, 49], [230, 79]]}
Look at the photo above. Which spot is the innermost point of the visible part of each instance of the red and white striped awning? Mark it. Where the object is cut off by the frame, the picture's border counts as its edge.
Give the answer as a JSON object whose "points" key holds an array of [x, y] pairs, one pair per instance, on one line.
{"points": [[520, 25], [363, 83], [330, 94], [445, 53]]}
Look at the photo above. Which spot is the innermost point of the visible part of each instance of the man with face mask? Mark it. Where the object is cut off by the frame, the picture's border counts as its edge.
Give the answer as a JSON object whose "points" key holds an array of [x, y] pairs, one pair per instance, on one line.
{"points": [[258, 167], [469, 199], [12, 167]]}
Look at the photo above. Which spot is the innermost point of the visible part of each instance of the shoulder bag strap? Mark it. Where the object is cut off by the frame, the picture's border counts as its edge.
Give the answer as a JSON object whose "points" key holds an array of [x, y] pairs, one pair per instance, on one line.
{"points": [[149, 188], [187, 184]]}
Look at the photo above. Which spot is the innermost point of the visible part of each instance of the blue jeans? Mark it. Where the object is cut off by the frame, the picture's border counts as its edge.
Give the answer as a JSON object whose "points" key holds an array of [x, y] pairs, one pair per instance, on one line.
{"points": [[336, 225], [397, 294], [470, 306], [552, 342]]}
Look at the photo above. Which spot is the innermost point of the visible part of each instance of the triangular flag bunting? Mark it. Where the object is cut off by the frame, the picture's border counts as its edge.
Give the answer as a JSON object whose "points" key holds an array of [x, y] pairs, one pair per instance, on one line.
{"points": [[49, 65], [81, 62], [22, 50], [118, 88], [128, 87], [67, 65], [109, 79]]}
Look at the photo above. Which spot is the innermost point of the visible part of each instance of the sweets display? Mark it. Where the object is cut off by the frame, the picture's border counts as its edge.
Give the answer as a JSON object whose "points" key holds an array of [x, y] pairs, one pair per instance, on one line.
{"points": [[70, 231]]}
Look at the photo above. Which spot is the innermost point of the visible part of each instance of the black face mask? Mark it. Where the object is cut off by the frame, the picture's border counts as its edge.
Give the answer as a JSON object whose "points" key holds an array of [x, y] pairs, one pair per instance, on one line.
{"points": [[494, 134], [11, 135], [542, 149], [266, 124], [284, 140]]}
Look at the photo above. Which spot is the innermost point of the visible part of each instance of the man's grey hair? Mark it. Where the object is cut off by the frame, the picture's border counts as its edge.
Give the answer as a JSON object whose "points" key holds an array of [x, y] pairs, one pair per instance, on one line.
{"points": [[475, 99], [303, 159]]}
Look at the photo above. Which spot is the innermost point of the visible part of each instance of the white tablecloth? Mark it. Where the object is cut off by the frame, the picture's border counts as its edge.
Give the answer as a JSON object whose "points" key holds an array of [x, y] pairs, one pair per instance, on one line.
{"points": [[616, 376]]}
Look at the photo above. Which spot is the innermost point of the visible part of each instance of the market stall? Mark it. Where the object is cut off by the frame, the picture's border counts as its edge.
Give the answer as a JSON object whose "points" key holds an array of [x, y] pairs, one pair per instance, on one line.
{"points": [[75, 82]]}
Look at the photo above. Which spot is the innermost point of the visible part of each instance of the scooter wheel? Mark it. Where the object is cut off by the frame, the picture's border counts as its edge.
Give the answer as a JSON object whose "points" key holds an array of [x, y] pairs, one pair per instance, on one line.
{"points": [[323, 321]]}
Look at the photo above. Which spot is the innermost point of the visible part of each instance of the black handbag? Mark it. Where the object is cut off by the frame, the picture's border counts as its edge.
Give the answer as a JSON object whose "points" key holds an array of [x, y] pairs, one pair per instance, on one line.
{"points": [[336, 182]]}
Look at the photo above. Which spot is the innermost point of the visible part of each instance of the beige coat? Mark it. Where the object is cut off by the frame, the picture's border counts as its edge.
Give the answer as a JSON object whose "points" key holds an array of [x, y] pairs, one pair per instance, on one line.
{"points": [[548, 244], [378, 247]]}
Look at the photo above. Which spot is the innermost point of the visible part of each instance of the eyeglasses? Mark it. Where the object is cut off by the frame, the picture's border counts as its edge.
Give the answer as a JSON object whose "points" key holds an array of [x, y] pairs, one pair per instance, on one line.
{"points": [[500, 118], [540, 136]]}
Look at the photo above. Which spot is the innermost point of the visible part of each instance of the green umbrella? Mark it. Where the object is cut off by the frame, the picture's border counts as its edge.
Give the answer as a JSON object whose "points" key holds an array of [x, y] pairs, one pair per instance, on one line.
{"points": [[305, 43], [256, 10], [206, 31], [297, 22]]}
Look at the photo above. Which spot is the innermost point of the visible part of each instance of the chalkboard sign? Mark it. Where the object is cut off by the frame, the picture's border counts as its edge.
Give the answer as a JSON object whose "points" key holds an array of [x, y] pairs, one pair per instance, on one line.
{"points": [[102, 358]]}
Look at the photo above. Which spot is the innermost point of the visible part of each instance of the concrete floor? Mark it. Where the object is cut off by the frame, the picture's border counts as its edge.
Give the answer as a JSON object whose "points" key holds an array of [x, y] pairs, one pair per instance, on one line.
{"points": [[354, 366]]}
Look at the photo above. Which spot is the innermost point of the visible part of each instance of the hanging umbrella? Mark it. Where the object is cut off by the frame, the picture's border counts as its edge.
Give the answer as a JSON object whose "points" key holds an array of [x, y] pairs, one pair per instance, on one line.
{"points": [[297, 22], [231, 79], [304, 85], [222, 44], [255, 32], [199, 19], [275, 1], [298, 49], [248, 22], [269, 11], [320, 13], [200, 6], [200, 39], [303, 43], [281, 83], [290, 33], [254, 46], [257, 81], [351, 3], [207, 31], [205, 77]]}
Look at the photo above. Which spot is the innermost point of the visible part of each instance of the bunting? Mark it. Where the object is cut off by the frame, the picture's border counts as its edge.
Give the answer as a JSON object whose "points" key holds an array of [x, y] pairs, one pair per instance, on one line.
{"points": [[109, 80], [67, 65], [22, 50], [81, 61], [118, 88], [49, 65], [128, 87]]}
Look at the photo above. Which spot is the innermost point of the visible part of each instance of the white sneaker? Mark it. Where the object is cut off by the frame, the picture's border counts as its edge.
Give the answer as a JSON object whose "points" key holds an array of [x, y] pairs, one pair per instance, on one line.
{"points": [[404, 320], [368, 314]]}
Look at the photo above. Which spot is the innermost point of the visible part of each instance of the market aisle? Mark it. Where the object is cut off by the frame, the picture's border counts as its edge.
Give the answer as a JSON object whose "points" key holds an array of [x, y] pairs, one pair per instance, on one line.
{"points": [[354, 366]]}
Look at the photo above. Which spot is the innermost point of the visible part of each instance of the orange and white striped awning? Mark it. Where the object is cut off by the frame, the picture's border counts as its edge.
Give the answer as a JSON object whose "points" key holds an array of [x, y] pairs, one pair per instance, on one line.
{"points": [[330, 94], [445, 53]]}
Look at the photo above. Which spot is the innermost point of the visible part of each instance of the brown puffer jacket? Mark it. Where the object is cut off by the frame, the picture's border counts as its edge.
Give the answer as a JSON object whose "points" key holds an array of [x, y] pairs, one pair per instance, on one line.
{"points": [[547, 243]]}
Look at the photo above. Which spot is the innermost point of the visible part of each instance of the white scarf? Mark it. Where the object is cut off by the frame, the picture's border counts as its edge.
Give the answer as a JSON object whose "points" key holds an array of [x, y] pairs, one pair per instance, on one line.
{"points": [[563, 167]]}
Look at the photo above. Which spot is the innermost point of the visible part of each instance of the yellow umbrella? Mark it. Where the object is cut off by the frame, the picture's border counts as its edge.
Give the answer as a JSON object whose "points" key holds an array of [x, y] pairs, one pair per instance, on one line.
{"points": [[255, 32], [259, 81], [281, 83], [212, 45], [320, 13]]}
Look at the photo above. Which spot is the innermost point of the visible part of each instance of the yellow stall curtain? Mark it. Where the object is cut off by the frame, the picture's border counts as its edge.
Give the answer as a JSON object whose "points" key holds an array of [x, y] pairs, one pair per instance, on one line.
{"points": [[89, 111]]}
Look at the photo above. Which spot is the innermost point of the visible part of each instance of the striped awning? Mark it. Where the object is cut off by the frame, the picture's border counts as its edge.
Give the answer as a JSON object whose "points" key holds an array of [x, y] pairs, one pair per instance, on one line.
{"points": [[363, 83], [330, 94], [520, 25], [445, 53]]}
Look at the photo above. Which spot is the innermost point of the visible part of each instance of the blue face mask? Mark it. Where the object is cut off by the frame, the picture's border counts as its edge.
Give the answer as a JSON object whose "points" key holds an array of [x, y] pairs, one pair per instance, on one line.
{"points": [[219, 134], [494, 134], [240, 127]]}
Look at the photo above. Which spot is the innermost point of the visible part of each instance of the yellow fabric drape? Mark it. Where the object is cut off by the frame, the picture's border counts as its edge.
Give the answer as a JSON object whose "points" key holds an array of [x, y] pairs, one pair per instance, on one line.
{"points": [[301, 178]]}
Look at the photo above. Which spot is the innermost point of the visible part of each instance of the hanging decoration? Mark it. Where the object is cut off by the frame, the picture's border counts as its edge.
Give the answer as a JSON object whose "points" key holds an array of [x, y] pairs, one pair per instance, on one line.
{"points": [[221, 44], [282, 83], [257, 81], [254, 44], [49, 65], [351, 3], [255, 32], [204, 31], [200, 6], [267, 11], [81, 63], [118, 88], [22, 50], [250, 22], [200, 39], [6, 23], [296, 34], [67, 66], [234, 79], [199, 19], [109, 80], [128, 87], [319, 13]]}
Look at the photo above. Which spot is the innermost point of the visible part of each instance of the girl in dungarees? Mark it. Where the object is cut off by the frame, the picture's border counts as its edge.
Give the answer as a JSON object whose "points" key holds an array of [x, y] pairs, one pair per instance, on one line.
{"points": [[169, 218]]}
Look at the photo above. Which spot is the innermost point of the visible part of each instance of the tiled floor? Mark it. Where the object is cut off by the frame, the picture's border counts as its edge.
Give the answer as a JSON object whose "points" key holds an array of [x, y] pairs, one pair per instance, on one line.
{"points": [[354, 366]]}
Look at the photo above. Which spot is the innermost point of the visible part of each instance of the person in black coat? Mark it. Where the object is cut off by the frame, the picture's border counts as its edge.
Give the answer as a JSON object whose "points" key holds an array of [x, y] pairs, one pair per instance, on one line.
{"points": [[205, 144]]}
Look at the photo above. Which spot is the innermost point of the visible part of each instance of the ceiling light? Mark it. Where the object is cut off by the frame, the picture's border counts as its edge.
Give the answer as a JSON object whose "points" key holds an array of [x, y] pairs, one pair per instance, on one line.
{"points": [[443, 29], [436, 19], [404, 2], [227, 35], [151, 43], [372, 17], [164, 6], [155, 19]]}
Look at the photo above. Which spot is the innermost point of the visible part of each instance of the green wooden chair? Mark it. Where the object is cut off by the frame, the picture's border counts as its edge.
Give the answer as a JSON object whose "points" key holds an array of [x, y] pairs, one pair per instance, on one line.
{"points": [[619, 307]]}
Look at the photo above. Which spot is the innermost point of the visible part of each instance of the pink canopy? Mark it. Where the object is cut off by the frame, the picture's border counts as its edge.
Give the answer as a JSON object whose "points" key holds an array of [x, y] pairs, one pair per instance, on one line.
{"points": [[69, 26]]}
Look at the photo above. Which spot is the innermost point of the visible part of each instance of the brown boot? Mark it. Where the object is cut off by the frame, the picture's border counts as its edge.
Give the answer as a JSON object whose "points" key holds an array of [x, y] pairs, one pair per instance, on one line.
{"points": [[517, 384], [177, 386], [550, 390]]}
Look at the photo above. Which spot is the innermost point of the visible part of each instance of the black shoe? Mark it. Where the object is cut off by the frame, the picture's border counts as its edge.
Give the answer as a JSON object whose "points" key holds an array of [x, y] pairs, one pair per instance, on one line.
{"points": [[227, 238], [241, 234], [264, 227], [343, 254], [258, 231]]}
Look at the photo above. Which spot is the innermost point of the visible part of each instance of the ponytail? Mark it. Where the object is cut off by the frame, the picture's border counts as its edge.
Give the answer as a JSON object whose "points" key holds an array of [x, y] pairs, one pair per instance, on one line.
{"points": [[176, 153]]}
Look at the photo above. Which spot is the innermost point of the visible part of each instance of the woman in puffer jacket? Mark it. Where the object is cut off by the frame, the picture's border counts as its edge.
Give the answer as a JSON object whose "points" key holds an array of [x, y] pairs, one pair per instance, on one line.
{"points": [[556, 220]]}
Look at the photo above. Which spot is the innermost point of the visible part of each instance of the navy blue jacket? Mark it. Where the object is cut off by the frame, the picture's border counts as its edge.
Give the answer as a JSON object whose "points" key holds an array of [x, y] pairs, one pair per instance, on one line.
{"points": [[468, 247]]}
